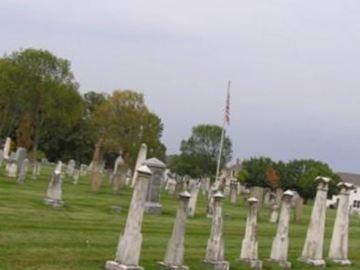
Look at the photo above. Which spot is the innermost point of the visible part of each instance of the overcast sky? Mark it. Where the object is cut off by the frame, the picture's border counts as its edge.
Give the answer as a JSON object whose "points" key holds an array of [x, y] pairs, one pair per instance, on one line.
{"points": [[295, 65]]}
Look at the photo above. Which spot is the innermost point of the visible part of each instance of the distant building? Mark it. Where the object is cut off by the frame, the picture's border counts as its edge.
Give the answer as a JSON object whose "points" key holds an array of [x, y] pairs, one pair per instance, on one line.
{"points": [[354, 194]]}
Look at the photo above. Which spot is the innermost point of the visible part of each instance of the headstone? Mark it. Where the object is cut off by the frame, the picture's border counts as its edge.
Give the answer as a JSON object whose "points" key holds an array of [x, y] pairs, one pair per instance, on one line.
{"points": [[20, 156], [175, 249], [205, 186], [23, 171], [96, 168], [338, 251], [157, 167], [171, 186], [299, 209], [76, 176], [233, 192], [83, 170], [210, 206], [249, 248], [140, 159], [313, 248], [280, 244], [274, 213], [118, 177], [194, 188], [279, 195], [214, 257], [12, 168], [7, 148], [54, 191], [129, 247], [70, 167]]}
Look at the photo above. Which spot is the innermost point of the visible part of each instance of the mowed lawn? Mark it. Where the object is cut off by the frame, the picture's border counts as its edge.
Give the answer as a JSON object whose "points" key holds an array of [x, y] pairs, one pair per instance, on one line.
{"points": [[84, 233]]}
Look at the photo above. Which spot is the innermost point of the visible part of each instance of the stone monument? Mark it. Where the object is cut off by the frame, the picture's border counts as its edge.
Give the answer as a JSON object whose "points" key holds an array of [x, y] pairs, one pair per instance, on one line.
{"points": [[175, 249], [157, 167], [129, 247], [214, 257], [313, 248], [140, 159], [249, 248], [338, 251], [280, 244]]}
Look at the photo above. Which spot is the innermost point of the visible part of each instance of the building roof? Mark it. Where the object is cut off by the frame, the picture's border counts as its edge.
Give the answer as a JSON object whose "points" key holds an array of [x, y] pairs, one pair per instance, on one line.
{"points": [[350, 178]]}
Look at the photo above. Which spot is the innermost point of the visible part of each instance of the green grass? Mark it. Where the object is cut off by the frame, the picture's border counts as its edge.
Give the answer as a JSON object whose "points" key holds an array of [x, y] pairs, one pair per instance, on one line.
{"points": [[84, 233]]}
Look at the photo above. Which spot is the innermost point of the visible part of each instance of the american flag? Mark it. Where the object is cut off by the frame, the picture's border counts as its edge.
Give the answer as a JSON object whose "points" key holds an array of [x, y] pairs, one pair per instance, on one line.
{"points": [[227, 106]]}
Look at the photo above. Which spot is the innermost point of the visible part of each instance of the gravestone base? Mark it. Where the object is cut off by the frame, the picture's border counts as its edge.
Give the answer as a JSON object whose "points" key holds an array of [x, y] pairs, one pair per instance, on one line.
{"points": [[112, 265], [164, 266], [54, 203], [222, 265], [342, 262], [254, 264], [282, 264], [153, 208], [314, 262]]}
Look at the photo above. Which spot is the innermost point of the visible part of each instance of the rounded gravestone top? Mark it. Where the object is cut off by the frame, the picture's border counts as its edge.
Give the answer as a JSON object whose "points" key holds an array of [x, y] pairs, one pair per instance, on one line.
{"points": [[345, 185], [185, 195], [154, 162], [288, 193], [323, 179], [218, 195], [253, 200], [144, 170]]}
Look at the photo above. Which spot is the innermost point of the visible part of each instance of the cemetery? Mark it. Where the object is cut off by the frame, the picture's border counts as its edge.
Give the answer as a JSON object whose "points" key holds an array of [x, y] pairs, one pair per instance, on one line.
{"points": [[55, 223], [179, 135]]}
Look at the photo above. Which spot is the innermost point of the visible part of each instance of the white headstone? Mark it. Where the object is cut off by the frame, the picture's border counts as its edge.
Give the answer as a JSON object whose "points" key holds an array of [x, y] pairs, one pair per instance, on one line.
{"points": [[313, 248]]}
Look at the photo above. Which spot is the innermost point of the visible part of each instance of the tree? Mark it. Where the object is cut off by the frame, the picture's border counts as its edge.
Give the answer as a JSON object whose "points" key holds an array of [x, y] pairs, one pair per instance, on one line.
{"points": [[199, 153], [123, 122], [257, 171], [40, 93]]}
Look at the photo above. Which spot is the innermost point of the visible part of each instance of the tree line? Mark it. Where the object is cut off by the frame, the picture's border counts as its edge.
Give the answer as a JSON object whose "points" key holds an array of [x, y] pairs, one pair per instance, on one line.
{"points": [[42, 110]]}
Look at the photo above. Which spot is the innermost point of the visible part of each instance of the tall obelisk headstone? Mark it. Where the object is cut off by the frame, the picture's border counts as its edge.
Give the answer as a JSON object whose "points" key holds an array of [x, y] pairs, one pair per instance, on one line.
{"points": [[280, 244], [214, 257], [313, 248], [249, 248], [140, 159], [129, 247], [157, 167], [194, 187], [338, 251], [175, 250]]}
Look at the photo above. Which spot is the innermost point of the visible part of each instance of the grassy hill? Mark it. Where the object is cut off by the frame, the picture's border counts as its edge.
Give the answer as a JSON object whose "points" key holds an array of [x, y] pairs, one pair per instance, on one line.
{"points": [[84, 234]]}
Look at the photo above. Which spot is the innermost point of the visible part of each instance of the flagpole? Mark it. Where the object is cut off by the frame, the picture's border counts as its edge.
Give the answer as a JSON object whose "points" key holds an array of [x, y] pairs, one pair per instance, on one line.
{"points": [[222, 141]]}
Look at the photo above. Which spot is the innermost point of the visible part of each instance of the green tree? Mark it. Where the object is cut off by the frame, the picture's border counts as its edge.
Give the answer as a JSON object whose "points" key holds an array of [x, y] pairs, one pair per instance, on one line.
{"points": [[39, 90], [199, 153], [123, 122], [255, 172]]}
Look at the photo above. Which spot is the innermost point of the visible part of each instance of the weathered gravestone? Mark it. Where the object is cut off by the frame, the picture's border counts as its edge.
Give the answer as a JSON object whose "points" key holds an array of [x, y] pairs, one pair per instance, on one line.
{"points": [[194, 188], [274, 214], [70, 167], [313, 248], [54, 191], [23, 171], [258, 193], [280, 244], [1, 157], [233, 191], [83, 170], [129, 247], [249, 248], [12, 168], [174, 257], [338, 251], [140, 159], [152, 204], [76, 176], [214, 257], [118, 177]]}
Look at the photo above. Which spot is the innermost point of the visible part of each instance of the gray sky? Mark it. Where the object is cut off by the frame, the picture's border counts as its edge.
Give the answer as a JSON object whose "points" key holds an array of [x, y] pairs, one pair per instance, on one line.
{"points": [[294, 65]]}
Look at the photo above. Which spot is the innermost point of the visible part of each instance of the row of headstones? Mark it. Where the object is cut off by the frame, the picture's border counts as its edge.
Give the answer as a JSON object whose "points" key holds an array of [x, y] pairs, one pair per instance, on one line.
{"points": [[17, 163], [129, 246]]}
